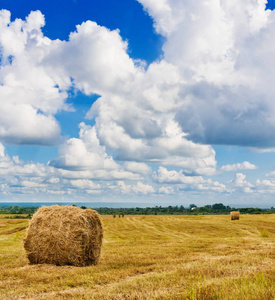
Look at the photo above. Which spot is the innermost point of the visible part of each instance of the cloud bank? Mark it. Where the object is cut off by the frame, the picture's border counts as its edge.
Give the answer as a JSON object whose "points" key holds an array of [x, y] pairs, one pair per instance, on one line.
{"points": [[212, 86]]}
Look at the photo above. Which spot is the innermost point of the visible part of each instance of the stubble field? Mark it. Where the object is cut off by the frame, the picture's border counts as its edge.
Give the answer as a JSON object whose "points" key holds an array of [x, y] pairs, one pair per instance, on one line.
{"points": [[153, 257]]}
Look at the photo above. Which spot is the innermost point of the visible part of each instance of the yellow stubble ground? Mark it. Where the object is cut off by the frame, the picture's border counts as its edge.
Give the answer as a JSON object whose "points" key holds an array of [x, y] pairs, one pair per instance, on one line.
{"points": [[153, 257]]}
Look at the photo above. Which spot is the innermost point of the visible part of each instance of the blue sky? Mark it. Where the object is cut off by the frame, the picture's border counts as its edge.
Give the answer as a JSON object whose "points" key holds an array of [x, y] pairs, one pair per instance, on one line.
{"points": [[163, 102]]}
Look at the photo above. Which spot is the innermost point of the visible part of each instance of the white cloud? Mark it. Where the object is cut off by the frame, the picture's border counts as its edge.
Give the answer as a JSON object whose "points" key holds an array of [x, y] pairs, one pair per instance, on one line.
{"points": [[213, 85], [166, 190], [137, 167], [239, 166], [188, 182], [270, 174], [29, 97], [84, 152], [201, 166], [85, 158], [54, 180], [262, 150], [219, 63], [166, 18], [241, 184], [143, 188], [27, 126], [19, 177], [139, 188], [144, 135], [32, 184], [240, 180], [99, 174], [84, 184], [134, 119], [96, 58], [265, 186], [124, 188], [226, 88], [56, 192], [23, 178]]}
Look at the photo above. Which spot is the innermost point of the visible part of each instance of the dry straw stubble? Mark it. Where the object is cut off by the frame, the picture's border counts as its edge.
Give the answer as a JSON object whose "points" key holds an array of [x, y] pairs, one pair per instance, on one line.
{"points": [[64, 235]]}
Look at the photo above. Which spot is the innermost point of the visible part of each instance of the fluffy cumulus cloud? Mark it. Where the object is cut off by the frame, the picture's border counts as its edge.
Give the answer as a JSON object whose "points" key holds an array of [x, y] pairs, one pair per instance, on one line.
{"points": [[212, 86], [265, 186], [18, 177], [241, 184], [95, 58], [239, 166], [29, 96], [134, 120], [137, 167], [21, 178], [84, 157], [224, 54], [166, 190], [138, 188], [84, 152], [187, 182]]}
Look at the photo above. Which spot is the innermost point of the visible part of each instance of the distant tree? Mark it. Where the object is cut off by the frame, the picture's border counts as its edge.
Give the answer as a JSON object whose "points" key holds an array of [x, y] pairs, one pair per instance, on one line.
{"points": [[83, 207], [218, 206]]}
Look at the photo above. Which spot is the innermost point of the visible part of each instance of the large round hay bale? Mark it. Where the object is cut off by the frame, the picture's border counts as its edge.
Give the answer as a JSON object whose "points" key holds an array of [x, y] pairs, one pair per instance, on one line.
{"points": [[64, 235], [235, 215]]}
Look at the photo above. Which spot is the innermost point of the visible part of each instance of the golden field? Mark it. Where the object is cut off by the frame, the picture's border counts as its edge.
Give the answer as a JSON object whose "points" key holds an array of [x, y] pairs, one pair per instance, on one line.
{"points": [[153, 257]]}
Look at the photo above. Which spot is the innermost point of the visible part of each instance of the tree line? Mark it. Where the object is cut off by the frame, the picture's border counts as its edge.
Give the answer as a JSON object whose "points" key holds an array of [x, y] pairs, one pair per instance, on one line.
{"points": [[192, 209]]}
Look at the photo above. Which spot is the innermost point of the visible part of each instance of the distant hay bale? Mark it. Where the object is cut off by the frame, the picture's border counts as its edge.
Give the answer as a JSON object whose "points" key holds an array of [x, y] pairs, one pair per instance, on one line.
{"points": [[235, 215], [64, 235]]}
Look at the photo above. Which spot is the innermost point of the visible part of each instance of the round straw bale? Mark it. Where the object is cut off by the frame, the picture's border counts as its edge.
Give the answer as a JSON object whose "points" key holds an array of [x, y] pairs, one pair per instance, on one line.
{"points": [[235, 215], [64, 235]]}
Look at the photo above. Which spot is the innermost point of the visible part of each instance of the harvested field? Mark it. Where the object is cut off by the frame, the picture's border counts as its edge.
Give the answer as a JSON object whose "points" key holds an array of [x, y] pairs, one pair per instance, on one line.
{"points": [[153, 257]]}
